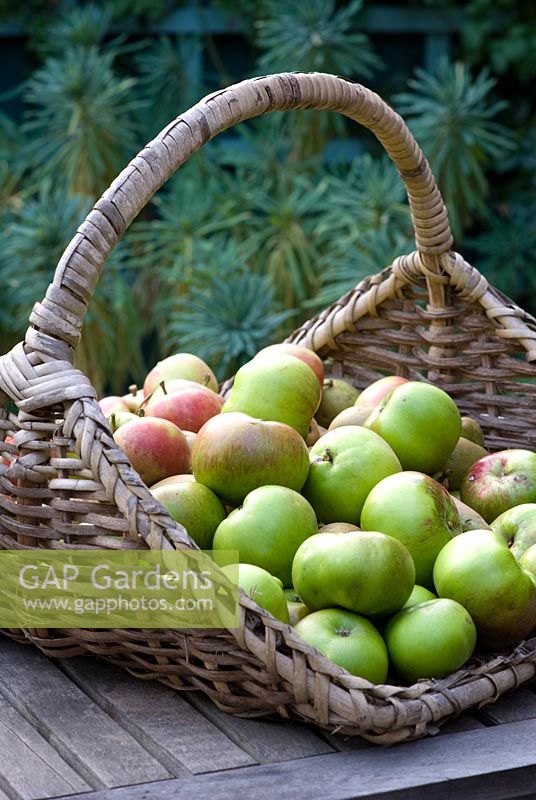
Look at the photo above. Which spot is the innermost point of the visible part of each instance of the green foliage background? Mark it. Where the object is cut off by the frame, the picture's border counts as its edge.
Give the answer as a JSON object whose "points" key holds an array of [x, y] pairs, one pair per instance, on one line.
{"points": [[262, 228]]}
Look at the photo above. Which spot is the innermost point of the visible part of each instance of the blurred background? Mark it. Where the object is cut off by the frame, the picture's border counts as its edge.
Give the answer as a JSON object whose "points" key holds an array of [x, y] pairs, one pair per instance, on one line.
{"points": [[277, 218]]}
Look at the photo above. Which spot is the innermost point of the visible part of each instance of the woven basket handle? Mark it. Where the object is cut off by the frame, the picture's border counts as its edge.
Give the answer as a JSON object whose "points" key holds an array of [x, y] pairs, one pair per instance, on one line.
{"points": [[56, 323]]}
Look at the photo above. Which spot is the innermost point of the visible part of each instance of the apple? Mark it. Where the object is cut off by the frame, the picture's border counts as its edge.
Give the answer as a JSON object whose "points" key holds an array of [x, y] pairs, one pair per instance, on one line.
{"points": [[500, 481], [337, 394], [418, 511], [307, 355], [195, 507], [190, 437], [470, 520], [471, 430], [345, 464], [313, 434], [169, 387], [173, 479], [263, 588], [156, 448], [134, 398], [430, 639], [180, 365], [376, 391], [419, 594], [528, 560], [355, 415], [118, 418], [420, 422], [478, 570], [338, 527], [234, 453], [365, 572], [188, 408], [461, 460], [518, 527], [111, 404], [267, 529], [280, 388], [347, 639], [296, 608]]}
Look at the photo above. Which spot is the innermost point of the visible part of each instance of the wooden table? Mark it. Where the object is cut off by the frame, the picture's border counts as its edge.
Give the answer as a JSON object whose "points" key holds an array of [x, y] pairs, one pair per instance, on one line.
{"points": [[85, 729]]}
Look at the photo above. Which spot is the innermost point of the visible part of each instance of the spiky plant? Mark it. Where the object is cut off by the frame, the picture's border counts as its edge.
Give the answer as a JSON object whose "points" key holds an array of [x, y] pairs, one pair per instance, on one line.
{"points": [[169, 82], [452, 116], [80, 26], [13, 164], [229, 313], [80, 122], [320, 36], [33, 241]]}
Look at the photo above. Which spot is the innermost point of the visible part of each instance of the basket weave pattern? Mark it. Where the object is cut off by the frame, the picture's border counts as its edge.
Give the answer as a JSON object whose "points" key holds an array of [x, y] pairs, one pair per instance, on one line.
{"points": [[428, 316]]}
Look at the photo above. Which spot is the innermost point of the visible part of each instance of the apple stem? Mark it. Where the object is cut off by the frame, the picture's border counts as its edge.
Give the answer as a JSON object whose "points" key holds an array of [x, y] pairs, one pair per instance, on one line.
{"points": [[133, 389], [328, 456], [163, 386]]}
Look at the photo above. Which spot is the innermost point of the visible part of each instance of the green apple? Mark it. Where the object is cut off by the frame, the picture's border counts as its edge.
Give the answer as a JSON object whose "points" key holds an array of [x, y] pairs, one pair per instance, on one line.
{"points": [[278, 387], [470, 520], [345, 464], [365, 572], [471, 430], [518, 527], [337, 394], [307, 355], [355, 415], [234, 453], [195, 506], [460, 461], [418, 511], [430, 639], [263, 588], [118, 418], [528, 560], [478, 570], [296, 608], [420, 422], [419, 594], [349, 640], [500, 481], [267, 529]]}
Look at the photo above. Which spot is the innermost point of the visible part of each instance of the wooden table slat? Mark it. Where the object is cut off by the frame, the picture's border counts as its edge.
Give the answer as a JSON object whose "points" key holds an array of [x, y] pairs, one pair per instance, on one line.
{"points": [[94, 744], [160, 718]]}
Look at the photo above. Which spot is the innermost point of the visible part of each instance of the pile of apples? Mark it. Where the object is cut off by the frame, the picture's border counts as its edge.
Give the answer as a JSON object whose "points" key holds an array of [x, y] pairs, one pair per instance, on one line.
{"points": [[376, 523]]}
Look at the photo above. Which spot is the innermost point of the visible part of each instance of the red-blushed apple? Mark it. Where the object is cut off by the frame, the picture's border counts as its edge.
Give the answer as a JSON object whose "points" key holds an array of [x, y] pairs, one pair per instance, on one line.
{"points": [[420, 422], [188, 408], [517, 526], [268, 529], [419, 512], [365, 572], [419, 594], [460, 461], [345, 464], [112, 403], [347, 639], [173, 479], [263, 588], [313, 434], [190, 437], [279, 387], [376, 391], [478, 570], [195, 507], [296, 608], [234, 453], [306, 355], [430, 639], [168, 387], [180, 365], [500, 481], [471, 430], [337, 394], [355, 415], [470, 520], [156, 448]]}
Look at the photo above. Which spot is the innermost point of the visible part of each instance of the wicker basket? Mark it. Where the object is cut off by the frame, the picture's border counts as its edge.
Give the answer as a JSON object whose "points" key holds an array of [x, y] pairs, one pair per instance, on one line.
{"points": [[430, 316]]}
